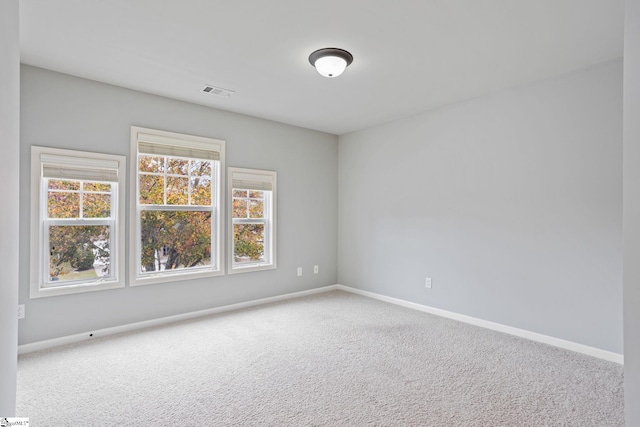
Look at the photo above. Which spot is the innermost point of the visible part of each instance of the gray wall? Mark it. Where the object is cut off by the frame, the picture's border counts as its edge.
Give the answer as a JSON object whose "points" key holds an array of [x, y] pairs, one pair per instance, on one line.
{"points": [[511, 203], [9, 216], [68, 112], [632, 213]]}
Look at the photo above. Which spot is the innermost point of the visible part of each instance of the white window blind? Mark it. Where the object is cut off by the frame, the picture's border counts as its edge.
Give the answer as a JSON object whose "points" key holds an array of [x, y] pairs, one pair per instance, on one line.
{"points": [[252, 181], [67, 167], [163, 146]]}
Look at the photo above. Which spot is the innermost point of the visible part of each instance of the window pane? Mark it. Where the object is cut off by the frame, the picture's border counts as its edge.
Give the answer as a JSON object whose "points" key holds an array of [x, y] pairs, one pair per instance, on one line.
{"points": [[200, 168], [248, 242], [177, 166], [177, 190], [96, 205], [256, 208], [239, 193], [78, 252], [201, 191], [153, 164], [151, 190], [63, 205], [60, 184], [254, 194], [172, 240], [240, 208], [97, 186]]}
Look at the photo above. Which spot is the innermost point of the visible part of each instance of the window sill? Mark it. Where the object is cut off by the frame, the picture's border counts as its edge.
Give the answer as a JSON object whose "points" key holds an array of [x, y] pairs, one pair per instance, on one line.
{"points": [[76, 288], [153, 279], [251, 268]]}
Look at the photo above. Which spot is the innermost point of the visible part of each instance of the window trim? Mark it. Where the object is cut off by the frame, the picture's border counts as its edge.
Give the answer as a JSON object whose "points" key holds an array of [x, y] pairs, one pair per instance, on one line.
{"points": [[80, 159], [182, 143], [257, 175]]}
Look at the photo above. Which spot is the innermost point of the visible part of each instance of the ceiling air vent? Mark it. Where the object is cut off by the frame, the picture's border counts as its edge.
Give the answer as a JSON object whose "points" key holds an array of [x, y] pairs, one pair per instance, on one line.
{"points": [[225, 93]]}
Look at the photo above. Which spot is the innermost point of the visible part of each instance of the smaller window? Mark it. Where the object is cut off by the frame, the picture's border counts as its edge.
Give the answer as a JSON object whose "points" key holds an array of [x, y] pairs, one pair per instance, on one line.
{"points": [[253, 220], [77, 221]]}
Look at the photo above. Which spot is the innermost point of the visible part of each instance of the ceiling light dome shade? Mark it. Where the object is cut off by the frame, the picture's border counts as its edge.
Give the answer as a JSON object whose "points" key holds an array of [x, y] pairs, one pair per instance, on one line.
{"points": [[330, 62]]}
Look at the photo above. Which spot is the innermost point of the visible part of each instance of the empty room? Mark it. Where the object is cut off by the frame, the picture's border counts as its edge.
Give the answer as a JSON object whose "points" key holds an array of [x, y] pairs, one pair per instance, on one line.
{"points": [[419, 213]]}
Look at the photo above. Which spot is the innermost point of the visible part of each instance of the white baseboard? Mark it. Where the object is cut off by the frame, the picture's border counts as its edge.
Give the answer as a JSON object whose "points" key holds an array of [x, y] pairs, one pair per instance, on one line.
{"points": [[69, 339], [533, 336], [557, 342]]}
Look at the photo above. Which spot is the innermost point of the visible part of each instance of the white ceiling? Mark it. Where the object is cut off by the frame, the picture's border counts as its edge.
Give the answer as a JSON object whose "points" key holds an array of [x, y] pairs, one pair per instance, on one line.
{"points": [[409, 55]]}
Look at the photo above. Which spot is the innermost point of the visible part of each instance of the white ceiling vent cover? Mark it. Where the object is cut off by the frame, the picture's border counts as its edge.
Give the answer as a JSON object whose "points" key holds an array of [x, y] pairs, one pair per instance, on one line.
{"points": [[225, 93]]}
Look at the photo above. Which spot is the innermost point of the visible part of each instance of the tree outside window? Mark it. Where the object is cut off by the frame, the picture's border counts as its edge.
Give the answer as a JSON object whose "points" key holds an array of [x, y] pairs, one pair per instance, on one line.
{"points": [[176, 210]]}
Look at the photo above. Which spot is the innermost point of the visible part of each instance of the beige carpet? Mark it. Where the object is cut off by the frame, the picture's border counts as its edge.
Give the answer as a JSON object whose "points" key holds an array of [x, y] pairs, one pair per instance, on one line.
{"points": [[333, 359]]}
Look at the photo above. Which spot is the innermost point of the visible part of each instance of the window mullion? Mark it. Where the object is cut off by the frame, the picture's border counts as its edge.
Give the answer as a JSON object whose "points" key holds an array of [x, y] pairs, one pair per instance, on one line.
{"points": [[249, 221], [46, 260], [69, 222], [195, 208], [81, 201], [45, 251], [165, 162], [189, 163]]}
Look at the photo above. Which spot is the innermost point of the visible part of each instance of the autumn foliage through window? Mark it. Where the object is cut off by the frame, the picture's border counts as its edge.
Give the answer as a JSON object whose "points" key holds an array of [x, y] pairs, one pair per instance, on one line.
{"points": [[174, 239], [248, 237], [78, 251]]}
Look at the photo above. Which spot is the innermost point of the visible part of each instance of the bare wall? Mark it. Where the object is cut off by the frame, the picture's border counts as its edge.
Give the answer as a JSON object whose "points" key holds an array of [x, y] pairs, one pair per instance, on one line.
{"points": [[632, 213], [62, 111], [511, 203], [9, 216]]}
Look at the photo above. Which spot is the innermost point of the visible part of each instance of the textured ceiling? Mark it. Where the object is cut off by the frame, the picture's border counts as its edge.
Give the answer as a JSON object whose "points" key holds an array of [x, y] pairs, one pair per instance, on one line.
{"points": [[410, 55]]}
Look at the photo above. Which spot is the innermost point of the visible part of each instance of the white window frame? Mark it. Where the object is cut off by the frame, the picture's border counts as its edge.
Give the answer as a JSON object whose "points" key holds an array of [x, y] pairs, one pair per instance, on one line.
{"points": [[253, 179], [69, 160], [169, 141]]}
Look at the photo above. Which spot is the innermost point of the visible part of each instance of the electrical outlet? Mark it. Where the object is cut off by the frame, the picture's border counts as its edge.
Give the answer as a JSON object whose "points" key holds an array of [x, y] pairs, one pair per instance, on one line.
{"points": [[315, 269], [21, 311], [427, 283], [299, 271]]}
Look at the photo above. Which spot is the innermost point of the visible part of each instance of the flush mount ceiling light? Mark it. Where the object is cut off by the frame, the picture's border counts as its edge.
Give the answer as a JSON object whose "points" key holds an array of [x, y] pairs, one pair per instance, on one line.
{"points": [[330, 62]]}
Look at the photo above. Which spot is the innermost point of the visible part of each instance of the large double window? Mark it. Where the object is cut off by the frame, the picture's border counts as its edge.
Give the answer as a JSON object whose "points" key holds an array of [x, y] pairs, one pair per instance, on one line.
{"points": [[177, 216], [77, 221], [253, 236]]}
